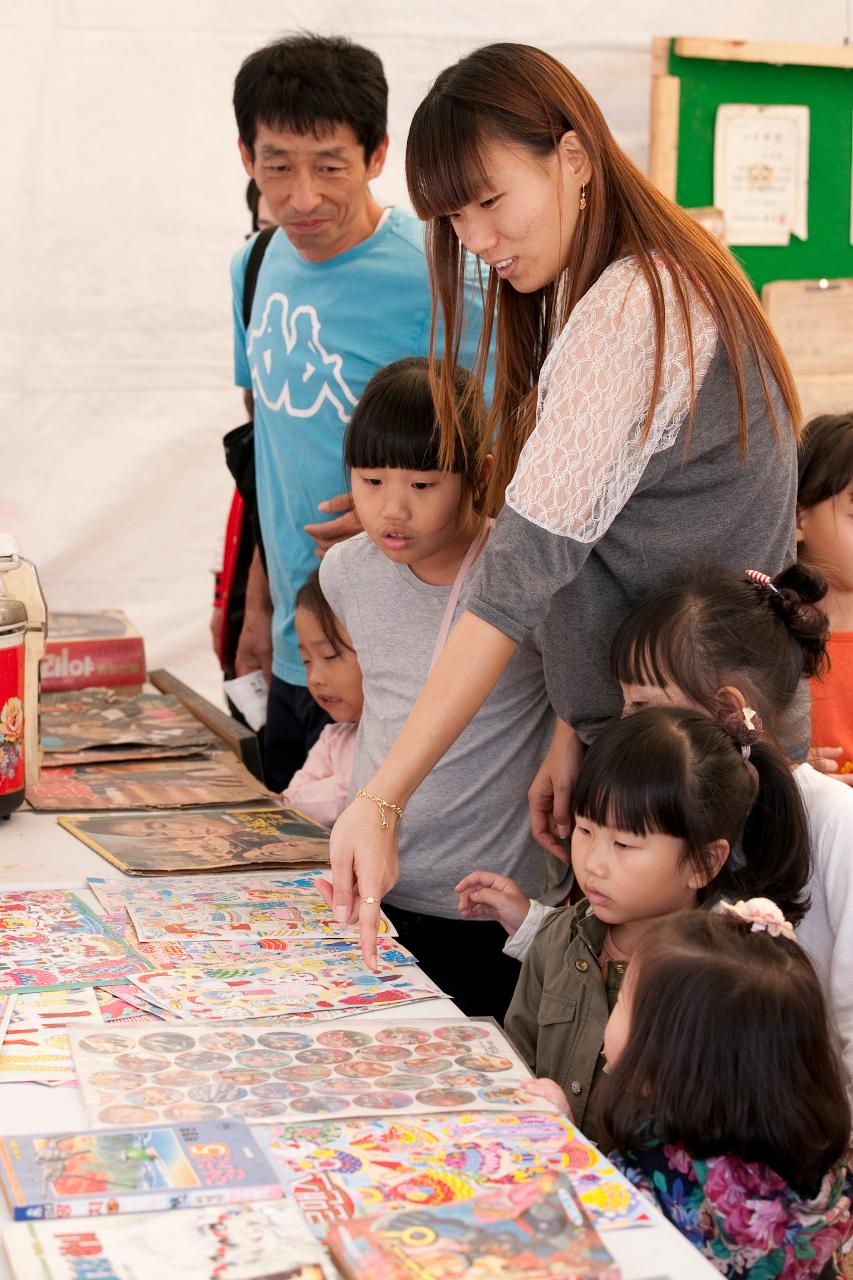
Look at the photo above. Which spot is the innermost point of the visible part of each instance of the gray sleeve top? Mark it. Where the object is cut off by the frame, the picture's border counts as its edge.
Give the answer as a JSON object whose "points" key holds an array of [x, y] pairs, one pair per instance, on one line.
{"points": [[598, 515], [471, 810]]}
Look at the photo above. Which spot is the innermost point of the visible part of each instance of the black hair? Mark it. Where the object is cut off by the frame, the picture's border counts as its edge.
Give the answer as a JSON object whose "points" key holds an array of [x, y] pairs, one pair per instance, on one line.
{"points": [[715, 627], [309, 84], [826, 458], [310, 597], [253, 200], [675, 772], [730, 1052], [394, 423]]}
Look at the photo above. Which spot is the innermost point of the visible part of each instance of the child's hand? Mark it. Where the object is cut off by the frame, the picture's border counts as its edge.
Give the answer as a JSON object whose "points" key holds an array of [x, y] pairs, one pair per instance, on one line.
{"points": [[483, 893], [826, 760], [550, 1090]]}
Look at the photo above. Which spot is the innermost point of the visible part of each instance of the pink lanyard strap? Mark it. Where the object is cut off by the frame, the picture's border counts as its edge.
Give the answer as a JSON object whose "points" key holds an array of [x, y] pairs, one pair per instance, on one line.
{"points": [[455, 592]]}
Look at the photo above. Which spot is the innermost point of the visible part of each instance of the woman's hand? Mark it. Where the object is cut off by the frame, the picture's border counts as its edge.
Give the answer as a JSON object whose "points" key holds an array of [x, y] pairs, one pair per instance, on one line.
{"points": [[365, 866], [551, 1091], [483, 893], [550, 793]]}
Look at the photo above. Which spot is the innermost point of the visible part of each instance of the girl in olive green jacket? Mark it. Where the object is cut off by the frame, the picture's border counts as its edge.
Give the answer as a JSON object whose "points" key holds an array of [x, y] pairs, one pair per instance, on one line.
{"points": [[671, 811]]}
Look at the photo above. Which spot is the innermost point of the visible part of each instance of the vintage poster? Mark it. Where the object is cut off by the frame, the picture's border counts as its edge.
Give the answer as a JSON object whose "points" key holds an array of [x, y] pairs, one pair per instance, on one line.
{"points": [[339, 1169], [137, 1075], [147, 784], [49, 939], [221, 840]]}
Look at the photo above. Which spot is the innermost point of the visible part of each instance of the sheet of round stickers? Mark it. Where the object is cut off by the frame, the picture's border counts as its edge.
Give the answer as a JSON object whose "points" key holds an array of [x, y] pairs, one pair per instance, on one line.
{"points": [[142, 1075]]}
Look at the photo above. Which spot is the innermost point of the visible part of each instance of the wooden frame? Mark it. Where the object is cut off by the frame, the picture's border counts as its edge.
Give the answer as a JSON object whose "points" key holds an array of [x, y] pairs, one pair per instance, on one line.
{"points": [[236, 737], [666, 89]]}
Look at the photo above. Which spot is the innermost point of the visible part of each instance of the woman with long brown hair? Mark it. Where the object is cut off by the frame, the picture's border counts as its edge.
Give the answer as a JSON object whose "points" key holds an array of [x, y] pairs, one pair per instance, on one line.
{"points": [[644, 415]]}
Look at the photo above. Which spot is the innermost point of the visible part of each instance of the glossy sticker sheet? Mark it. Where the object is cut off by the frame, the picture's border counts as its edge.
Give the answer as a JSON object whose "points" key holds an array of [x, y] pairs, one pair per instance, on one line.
{"points": [[279, 987], [338, 1169], [142, 1075], [51, 940], [210, 907], [217, 952], [35, 1045]]}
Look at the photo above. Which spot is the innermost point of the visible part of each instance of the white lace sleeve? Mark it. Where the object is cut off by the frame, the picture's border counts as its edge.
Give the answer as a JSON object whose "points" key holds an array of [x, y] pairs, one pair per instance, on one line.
{"points": [[586, 454]]}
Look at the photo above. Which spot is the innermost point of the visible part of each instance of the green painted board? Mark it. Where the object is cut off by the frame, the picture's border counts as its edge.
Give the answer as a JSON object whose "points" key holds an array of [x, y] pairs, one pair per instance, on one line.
{"points": [[828, 93]]}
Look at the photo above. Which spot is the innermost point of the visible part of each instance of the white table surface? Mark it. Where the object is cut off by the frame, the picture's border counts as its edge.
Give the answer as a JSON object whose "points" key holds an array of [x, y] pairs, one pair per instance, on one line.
{"points": [[35, 851]]}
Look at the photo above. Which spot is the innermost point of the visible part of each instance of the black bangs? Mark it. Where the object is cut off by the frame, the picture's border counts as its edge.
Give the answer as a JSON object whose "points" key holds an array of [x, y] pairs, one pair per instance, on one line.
{"points": [[394, 425], [444, 167], [826, 458], [656, 644], [633, 777]]}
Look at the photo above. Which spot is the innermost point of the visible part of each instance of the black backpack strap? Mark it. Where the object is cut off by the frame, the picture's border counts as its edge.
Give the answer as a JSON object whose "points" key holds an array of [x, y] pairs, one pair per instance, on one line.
{"points": [[253, 267]]}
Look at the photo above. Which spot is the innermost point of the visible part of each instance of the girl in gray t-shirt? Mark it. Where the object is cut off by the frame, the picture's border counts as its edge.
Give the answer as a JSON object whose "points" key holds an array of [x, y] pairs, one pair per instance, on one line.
{"points": [[397, 588]]}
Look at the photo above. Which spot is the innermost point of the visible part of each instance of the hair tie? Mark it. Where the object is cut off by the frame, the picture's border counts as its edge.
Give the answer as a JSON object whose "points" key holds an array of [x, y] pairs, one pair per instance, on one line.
{"points": [[746, 727], [759, 579], [762, 916]]}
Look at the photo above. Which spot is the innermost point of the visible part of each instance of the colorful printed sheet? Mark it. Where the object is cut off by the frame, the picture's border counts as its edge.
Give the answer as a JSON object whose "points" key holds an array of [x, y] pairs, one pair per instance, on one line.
{"points": [[279, 987], [338, 1169], [85, 718], [214, 908], [220, 840], [535, 1230], [115, 1005], [265, 1238], [35, 1046], [137, 1075], [51, 940], [165, 955], [147, 784]]}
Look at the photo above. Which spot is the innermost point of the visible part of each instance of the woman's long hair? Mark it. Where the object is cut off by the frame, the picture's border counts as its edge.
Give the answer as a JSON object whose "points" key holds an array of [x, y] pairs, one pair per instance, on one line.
{"points": [[518, 94]]}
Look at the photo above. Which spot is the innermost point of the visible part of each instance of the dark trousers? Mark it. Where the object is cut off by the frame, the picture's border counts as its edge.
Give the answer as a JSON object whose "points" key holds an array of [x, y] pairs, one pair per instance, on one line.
{"points": [[465, 958], [294, 723]]}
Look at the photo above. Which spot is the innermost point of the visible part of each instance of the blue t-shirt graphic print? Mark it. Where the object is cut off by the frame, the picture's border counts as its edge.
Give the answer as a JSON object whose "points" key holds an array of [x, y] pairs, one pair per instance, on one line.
{"points": [[317, 334]]}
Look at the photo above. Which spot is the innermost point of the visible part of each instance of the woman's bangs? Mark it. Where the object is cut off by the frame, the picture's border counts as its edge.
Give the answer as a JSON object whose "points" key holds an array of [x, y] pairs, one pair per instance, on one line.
{"points": [[444, 167]]}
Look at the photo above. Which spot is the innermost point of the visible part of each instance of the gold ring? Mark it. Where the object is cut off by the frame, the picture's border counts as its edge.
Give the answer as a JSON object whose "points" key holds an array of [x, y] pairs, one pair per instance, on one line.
{"points": [[372, 901]]}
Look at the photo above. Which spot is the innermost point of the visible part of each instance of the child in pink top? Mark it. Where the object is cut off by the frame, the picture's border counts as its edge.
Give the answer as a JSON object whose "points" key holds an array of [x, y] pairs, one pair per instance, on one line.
{"points": [[320, 787]]}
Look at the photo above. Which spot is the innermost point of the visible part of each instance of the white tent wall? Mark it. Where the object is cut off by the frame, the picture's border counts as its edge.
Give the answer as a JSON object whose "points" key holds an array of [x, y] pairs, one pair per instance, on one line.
{"points": [[122, 202]]}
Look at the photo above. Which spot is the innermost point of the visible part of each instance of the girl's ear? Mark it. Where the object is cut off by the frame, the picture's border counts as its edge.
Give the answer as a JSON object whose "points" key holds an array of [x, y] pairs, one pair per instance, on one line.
{"points": [[801, 532], [488, 467], [718, 852], [729, 699]]}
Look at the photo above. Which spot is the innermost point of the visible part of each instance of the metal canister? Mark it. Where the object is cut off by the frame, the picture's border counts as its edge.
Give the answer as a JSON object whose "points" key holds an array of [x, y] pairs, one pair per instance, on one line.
{"points": [[13, 627]]}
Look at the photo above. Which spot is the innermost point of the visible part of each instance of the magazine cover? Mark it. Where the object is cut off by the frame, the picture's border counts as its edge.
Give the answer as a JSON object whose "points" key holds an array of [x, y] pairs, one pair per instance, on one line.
{"points": [[266, 1238], [534, 1230], [147, 784], [172, 843], [105, 718], [62, 1175]]}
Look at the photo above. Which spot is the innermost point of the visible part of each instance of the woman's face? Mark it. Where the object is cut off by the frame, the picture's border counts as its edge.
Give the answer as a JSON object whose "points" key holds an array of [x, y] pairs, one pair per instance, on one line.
{"points": [[525, 215]]}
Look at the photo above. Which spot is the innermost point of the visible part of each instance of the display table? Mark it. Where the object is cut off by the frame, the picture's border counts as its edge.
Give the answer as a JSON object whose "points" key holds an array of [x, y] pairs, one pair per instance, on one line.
{"points": [[35, 851]]}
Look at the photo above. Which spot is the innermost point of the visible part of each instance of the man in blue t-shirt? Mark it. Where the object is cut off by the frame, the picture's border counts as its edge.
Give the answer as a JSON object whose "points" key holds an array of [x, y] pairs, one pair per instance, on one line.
{"points": [[342, 291]]}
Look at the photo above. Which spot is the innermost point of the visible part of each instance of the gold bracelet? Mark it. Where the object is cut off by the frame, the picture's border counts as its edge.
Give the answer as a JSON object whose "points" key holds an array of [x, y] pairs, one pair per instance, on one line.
{"points": [[383, 806]]}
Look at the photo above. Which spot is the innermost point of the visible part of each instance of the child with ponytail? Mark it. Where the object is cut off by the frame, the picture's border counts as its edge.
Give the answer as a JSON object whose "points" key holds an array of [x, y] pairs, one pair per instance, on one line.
{"points": [[724, 1094], [670, 812]]}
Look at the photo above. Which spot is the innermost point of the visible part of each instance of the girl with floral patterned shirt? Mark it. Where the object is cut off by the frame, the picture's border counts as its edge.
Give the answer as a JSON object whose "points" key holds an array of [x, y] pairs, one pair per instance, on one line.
{"points": [[724, 1095]]}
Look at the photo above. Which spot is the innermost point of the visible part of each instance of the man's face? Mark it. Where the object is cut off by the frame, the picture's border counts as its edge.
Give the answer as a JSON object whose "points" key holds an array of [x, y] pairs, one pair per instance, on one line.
{"points": [[316, 189]]}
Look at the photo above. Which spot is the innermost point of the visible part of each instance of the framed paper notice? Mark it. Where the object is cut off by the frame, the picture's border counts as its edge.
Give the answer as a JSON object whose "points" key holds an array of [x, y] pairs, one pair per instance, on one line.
{"points": [[761, 172]]}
